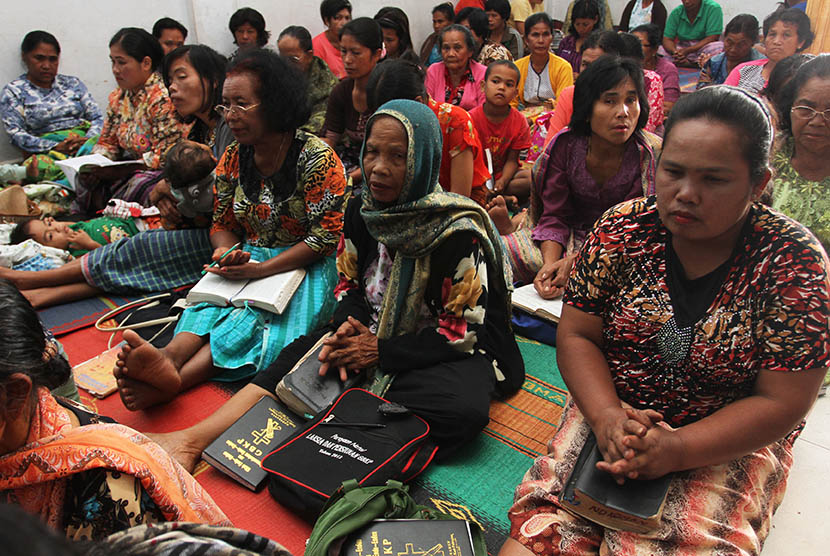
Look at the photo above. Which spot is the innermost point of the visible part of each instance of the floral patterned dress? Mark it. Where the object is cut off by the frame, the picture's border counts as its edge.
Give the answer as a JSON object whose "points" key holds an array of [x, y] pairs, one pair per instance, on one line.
{"points": [[801, 199], [141, 124], [303, 202], [772, 313]]}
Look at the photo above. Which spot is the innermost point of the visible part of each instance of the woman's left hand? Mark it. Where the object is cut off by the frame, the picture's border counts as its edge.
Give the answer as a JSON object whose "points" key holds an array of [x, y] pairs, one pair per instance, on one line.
{"points": [[355, 352]]}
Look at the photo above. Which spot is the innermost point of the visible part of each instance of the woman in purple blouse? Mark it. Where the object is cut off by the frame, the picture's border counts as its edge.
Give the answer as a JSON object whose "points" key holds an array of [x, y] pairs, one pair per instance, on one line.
{"points": [[585, 18], [602, 158]]}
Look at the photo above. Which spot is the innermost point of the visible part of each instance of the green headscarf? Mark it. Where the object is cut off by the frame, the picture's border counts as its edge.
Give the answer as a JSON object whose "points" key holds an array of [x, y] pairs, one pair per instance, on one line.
{"points": [[422, 218]]}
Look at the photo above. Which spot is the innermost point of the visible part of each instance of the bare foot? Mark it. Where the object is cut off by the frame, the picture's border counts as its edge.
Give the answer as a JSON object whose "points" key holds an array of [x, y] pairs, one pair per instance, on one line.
{"points": [[180, 447], [140, 360], [144, 374], [497, 209], [138, 395]]}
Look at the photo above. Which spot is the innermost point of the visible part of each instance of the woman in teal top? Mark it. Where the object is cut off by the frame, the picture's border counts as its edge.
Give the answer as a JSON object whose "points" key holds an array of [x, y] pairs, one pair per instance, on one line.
{"points": [[693, 29]]}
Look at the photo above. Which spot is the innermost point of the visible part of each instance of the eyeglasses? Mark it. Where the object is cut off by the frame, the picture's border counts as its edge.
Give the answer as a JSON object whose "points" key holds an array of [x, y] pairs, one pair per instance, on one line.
{"points": [[807, 113], [223, 110]]}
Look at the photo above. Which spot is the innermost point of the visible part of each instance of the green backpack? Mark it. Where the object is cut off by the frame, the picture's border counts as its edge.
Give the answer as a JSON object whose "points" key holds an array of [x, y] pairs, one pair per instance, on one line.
{"points": [[353, 506]]}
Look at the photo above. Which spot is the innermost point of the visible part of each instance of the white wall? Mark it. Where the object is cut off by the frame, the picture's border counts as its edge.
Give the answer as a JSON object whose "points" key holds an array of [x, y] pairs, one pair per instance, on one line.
{"points": [[84, 28]]}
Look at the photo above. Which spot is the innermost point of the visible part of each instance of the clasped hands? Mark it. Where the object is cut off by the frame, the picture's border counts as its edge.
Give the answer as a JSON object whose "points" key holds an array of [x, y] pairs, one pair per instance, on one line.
{"points": [[71, 144], [551, 279], [637, 444], [352, 348]]}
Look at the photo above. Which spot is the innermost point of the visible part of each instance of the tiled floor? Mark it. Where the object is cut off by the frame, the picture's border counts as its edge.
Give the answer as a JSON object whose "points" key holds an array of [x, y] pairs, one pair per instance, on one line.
{"points": [[801, 526]]}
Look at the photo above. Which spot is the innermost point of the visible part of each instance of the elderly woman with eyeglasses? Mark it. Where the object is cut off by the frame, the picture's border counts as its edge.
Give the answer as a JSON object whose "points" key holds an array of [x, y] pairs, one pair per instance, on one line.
{"points": [[801, 180], [801, 163], [280, 192]]}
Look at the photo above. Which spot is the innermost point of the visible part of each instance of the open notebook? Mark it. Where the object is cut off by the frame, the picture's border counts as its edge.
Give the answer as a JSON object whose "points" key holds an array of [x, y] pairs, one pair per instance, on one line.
{"points": [[73, 166], [272, 293], [527, 299]]}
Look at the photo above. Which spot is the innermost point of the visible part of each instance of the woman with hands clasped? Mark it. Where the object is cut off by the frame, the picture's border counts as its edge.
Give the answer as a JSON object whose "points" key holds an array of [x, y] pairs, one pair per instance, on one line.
{"points": [[693, 340], [422, 303], [281, 192]]}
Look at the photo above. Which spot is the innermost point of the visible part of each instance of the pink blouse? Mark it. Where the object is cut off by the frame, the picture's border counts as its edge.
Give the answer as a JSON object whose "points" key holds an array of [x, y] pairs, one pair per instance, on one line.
{"points": [[473, 96]]}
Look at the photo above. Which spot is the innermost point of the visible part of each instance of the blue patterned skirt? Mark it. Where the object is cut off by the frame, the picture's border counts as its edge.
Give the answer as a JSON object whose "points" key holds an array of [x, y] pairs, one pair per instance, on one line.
{"points": [[245, 340]]}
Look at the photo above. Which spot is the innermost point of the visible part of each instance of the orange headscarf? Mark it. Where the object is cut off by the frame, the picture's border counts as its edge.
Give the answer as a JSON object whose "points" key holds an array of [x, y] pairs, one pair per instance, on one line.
{"points": [[34, 475]]}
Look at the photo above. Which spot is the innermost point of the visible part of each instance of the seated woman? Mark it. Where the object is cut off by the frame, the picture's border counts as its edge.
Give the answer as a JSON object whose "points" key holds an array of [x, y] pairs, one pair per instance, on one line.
{"points": [[335, 15], [498, 14], [457, 79], [295, 42], [394, 24], [442, 16], [170, 33], [604, 157], [801, 161], [651, 37], [740, 35], [155, 260], [248, 29], [487, 51], [463, 167], [626, 45], [693, 341], [585, 21], [654, 84], [786, 32], [347, 111], [83, 475], [422, 300], [643, 12], [606, 22], [44, 112], [282, 192], [543, 74], [194, 76], [597, 44], [520, 10], [692, 30], [141, 125], [773, 93]]}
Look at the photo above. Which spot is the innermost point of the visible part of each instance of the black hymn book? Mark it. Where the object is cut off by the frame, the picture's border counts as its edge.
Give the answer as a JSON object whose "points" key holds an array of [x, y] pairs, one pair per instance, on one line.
{"points": [[636, 505], [238, 451], [307, 393], [419, 537]]}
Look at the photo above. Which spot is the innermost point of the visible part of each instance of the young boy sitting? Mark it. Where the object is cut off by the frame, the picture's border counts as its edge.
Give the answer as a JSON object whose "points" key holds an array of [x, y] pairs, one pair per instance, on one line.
{"points": [[502, 130]]}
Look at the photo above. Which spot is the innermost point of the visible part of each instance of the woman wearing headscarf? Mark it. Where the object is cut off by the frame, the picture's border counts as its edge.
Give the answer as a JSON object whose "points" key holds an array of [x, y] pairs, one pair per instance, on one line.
{"points": [[423, 305]]}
